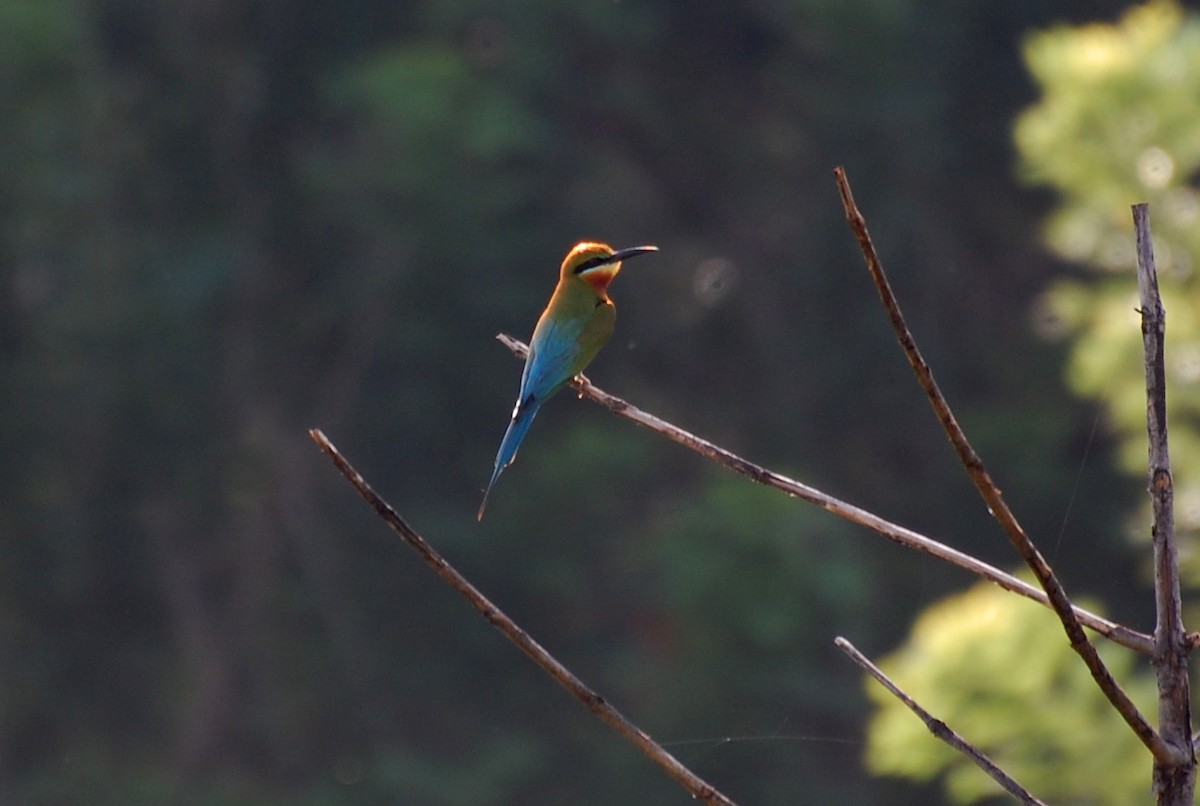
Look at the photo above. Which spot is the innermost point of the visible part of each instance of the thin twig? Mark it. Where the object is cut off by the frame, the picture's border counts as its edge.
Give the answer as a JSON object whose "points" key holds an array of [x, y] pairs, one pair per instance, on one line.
{"points": [[1163, 752], [1170, 639], [592, 701], [1117, 633], [939, 728]]}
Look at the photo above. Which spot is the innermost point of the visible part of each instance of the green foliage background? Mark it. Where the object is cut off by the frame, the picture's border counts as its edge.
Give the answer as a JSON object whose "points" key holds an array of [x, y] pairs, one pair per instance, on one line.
{"points": [[1122, 103], [224, 223]]}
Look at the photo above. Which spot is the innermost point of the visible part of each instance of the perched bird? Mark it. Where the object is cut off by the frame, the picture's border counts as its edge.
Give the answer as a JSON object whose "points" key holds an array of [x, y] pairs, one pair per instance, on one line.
{"points": [[572, 329]]}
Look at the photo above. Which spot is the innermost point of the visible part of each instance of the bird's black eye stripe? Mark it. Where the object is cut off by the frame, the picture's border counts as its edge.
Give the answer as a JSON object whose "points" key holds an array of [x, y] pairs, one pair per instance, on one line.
{"points": [[592, 263]]}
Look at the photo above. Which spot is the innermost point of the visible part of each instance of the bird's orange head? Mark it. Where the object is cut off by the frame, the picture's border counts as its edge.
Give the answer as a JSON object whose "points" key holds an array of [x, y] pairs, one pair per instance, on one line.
{"points": [[597, 264]]}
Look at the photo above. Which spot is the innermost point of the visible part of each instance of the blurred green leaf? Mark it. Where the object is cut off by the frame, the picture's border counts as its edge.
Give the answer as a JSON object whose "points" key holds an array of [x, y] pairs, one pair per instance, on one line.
{"points": [[1000, 671]]}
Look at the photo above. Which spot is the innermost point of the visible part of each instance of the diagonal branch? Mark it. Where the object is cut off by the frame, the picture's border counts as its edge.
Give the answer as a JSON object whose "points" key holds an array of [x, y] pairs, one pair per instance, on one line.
{"points": [[1170, 639], [1116, 633], [562, 675], [1164, 753], [939, 728]]}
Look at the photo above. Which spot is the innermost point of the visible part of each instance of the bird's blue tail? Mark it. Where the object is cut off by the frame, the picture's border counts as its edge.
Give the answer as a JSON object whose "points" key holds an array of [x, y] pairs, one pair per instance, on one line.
{"points": [[517, 428]]}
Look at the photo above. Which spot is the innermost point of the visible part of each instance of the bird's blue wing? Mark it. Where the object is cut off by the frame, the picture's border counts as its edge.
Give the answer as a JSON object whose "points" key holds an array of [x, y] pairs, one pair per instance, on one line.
{"points": [[552, 352]]}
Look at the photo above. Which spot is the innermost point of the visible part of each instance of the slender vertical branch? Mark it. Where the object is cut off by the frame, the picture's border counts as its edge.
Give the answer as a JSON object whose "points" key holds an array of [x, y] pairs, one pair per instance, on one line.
{"points": [[699, 789], [1163, 752], [1174, 783], [940, 729]]}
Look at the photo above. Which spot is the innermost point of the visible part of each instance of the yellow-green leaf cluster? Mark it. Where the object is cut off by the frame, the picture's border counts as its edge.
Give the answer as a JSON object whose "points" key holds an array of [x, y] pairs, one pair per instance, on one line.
{"points": [[1119, 123], [999, 670]]}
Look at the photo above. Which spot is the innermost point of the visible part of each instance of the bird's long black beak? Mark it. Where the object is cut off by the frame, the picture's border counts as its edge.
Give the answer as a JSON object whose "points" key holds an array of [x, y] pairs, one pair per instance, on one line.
{"points": [[633, 251]]}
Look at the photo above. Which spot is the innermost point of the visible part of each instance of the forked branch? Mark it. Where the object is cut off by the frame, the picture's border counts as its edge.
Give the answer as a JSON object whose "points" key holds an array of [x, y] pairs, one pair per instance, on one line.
{"points": [[1164, 753]]}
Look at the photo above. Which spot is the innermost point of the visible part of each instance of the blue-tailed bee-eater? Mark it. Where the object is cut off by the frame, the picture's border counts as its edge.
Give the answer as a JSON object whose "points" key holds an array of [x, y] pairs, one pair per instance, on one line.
{"points": [[576, 323]]}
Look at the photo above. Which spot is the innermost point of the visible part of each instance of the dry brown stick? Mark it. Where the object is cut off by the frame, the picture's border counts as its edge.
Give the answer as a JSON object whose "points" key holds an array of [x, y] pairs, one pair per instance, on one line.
{"points": [[1175, 782], [1163, 753], [699, 789], [1116, 633], [939, 728]]}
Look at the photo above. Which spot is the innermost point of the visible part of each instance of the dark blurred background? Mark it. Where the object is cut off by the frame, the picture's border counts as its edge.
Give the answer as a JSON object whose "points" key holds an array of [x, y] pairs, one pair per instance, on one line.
{"points": [[224, 223]]}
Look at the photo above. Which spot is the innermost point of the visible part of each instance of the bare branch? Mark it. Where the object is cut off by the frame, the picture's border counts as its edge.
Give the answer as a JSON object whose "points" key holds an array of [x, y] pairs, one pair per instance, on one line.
{"points": [[1116, 633], [1163, 752], [939, 728], [563, 676], [1171, 643]]}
